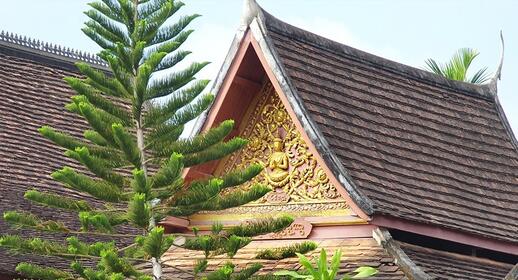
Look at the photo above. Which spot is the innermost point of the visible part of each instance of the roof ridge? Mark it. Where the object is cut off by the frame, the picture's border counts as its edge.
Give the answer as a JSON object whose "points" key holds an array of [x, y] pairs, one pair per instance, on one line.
{"points": [[484, 91], [43, 47]]}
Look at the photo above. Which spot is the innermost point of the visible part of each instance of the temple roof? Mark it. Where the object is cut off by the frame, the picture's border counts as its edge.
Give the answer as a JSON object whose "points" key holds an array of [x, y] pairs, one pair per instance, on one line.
{"points": [[33, 94], [445, 265], [355, 252], [410, 144]]}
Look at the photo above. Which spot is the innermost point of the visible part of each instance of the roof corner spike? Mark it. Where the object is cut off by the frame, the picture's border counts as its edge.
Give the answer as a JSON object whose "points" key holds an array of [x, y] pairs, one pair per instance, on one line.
{"points": [[250, 10], [498, 72], [493, 83]]}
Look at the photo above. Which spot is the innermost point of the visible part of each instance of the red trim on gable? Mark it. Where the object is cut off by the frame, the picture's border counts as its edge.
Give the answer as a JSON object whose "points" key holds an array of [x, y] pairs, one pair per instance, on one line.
{"points": [[446, 234], [345, 231], [242, 82], [357, 210]]}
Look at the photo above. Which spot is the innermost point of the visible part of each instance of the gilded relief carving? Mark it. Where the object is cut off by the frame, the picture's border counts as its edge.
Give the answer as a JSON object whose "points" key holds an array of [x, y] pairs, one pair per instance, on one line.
{"points": [[290, 168]]}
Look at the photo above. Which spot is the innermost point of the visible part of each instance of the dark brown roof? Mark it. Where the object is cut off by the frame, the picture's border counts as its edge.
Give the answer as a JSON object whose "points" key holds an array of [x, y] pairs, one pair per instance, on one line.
{"points": [[32, 94], [419, 146], [355, 252], [445, 265]]}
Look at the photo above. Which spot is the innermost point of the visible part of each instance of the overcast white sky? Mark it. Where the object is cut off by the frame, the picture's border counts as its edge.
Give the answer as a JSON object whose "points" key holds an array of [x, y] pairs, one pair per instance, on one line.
{"points": [[406, 31]]}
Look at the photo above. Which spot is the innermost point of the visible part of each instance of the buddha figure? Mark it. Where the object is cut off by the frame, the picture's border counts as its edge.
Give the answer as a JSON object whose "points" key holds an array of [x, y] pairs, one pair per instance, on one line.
{"points": [[278, 164]]}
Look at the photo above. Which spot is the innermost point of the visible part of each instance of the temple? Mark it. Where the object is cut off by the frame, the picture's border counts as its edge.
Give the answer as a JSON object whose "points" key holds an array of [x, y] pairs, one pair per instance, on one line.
{"points": [[404, 170]]}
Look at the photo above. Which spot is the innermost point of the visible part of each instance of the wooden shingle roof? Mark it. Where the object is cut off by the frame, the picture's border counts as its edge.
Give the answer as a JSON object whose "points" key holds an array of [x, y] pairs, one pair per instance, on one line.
{"points": [[355, 252], [445, 265], [33, 93], [413, 145]]}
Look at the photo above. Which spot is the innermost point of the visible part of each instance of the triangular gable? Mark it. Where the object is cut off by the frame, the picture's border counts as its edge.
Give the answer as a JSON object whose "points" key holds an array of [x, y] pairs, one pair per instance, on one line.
{"points": [[303, 184]]}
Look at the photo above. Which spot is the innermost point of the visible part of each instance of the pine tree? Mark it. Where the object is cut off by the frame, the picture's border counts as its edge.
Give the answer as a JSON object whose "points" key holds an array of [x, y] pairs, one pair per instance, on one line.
{"points": [[137, 113]]}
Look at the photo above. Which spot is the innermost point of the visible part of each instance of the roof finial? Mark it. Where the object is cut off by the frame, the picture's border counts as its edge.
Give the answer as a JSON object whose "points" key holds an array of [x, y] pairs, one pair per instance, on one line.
{"points": [[250, 10], [498, 73]]}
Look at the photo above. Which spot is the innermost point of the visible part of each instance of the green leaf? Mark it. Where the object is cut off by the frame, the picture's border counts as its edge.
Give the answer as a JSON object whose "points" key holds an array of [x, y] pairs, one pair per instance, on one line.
{"points": [[127, 143], [221, 202], [322, 264], [335, 263], [247, 273], [287, 251], [99, 189], [97, 166], [293, 274], [98, 100], [139, 183], [107, 27], [139, 211], [262, 226], [169, 173], [215, 152], [32, 271], [153, 242], [175, 81], [57, 201], [28, 220], [31, 245], [170, 32], [364, 272], [457, 67], [308, 266]]}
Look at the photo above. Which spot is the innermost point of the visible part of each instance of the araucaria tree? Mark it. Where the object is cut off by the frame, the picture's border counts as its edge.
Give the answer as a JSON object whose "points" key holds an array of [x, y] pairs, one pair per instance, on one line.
{"points": [[135, 155]]}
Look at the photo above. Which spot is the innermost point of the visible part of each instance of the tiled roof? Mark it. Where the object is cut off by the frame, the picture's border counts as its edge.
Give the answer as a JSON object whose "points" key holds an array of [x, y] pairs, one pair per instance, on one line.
{"points": [[419, 146], [32, 94], [445, 265], [355, 252]]}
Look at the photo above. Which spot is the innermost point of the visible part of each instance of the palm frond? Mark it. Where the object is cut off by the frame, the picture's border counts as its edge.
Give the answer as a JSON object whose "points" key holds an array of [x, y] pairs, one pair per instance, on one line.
{"points": [[481, 76], [457, 67]]}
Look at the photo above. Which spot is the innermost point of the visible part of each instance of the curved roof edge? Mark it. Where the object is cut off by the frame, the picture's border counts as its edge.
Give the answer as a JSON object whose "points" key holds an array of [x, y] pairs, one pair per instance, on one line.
{"points": [[49, 50], [484, 91], [260, 33], [384, 239], [252, 16], [505, 123], [493, 83]]}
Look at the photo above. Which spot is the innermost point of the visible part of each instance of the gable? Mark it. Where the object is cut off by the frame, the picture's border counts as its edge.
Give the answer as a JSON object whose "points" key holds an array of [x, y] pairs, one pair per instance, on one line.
{"points": [[291, 170], [300, 185]]}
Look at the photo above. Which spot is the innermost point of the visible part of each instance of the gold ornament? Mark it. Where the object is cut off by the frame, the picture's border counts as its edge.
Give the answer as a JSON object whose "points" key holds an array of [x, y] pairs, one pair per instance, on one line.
{"points": [[290, 168]]}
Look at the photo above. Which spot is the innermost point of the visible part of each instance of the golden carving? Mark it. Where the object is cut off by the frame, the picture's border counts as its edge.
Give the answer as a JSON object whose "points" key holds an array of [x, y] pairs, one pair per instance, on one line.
{"points": [[290, 168], [300, 209], [297, 230], [278, 176]]}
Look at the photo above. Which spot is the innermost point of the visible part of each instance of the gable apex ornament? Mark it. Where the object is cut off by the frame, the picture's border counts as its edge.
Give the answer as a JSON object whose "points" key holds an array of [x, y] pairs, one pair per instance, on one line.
{"points": [[250, 10]]}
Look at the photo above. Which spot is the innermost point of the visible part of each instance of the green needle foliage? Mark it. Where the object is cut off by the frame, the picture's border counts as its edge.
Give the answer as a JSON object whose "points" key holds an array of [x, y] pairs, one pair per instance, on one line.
{"points": [[135, 157], [286, 252], [457, 67]]}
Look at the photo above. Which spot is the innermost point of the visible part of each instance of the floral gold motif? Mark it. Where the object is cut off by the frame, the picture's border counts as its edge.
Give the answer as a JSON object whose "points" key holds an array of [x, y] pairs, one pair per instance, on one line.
{"points": [[290, 168], [299, 229]]}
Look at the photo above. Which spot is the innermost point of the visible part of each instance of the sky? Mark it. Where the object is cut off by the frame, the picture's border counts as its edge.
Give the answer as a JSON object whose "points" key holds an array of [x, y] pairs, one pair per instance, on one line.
{"points": [[406, 31]]}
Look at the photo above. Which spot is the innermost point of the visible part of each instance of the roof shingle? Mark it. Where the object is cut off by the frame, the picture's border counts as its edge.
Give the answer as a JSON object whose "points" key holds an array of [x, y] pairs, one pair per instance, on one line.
{"points": [[445, 265], [33, 94], [421, 147], [355, 252]]}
